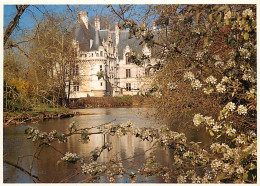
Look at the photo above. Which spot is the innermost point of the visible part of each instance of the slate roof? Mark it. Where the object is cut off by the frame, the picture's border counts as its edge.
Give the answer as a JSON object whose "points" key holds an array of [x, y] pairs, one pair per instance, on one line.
{"points": [[97, 41], [84, 35]]}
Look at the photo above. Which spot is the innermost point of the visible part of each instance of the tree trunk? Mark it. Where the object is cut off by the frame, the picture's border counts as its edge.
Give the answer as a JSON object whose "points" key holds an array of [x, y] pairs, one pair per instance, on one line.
{"points": [[68, 97]]}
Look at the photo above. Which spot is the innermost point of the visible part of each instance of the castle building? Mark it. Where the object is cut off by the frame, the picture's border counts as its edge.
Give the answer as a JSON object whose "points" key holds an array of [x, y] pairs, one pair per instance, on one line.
{"points": [[103, 64]]}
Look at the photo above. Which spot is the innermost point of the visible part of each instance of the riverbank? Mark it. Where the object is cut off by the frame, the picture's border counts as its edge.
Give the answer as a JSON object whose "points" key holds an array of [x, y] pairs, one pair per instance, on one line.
{"points": [[42, 112], [105, 102]]}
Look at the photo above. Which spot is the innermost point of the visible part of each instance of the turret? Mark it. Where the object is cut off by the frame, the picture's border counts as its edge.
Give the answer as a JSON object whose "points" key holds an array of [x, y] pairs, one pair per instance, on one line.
{"points": [[97, 23], [83, 16], [117, 32]]}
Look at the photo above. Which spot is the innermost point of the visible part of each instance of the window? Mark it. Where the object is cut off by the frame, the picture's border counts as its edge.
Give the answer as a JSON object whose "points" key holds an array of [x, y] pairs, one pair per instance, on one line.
{"points": [[76, 70], [101, 84], [100, 67], [128, 86], [97, 54], [76, 86], [147, 72], [128, 73], [92, 55], [127, 59], [101, 53]]}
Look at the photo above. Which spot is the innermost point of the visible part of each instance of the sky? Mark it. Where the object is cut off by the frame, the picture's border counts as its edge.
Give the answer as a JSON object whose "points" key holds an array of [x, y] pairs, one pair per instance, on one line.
{"points": [[27, 21]]}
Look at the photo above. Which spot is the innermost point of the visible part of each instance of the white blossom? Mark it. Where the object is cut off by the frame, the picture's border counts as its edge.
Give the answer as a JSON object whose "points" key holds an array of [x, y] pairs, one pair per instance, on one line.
{"points": [[225, 79], [228, 15], [216, 164], [189, 76], [196, 84], [242, 110], [215, 146], [244, 53], [70, 157], [240, 139], [181, 179], [209, 120], [171, 86], [228, 168], [240, 170], [211, 79], [205, 178], [230, 106], [208, 90], [199, 55], [248, 76], [230, 131], [248, 12], [231, 63], [251, 91], [216, 57], [219, 64], [216, 128], [221, 88], [198, 118]]}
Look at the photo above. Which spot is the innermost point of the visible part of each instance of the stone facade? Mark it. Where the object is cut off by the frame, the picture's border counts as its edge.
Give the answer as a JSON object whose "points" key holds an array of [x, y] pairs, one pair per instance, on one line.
{"points": [[103, 66]]}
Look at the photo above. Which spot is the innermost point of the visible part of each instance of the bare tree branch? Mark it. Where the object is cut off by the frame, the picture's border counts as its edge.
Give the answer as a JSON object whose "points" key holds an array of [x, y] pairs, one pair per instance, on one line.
{"points": [[33, 177], [11, 26]]}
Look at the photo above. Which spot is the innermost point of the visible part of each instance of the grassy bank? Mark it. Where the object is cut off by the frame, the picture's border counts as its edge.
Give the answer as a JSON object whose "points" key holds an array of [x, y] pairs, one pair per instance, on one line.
{"points": [[40, 112], [99, 102]]}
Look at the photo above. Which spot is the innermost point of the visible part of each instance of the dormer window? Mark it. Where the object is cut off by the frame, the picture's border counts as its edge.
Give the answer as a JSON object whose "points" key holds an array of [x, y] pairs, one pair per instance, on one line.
{"points": [[97, 54], [101, 53], [127, 58]]}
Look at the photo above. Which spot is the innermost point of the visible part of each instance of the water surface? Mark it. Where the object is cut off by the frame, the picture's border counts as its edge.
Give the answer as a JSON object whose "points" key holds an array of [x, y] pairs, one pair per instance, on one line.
{"points": [[17, 148]]}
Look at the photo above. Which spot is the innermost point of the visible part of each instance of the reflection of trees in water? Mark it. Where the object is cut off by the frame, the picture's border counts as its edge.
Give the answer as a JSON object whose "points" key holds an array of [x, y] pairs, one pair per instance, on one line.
{"points": [[50, 170]]}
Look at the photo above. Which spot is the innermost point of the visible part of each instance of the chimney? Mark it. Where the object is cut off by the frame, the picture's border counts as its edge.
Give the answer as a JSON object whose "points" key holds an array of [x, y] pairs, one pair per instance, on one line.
{"points": [[97, 23], [83, 16], [117, 32], [154, 26]]}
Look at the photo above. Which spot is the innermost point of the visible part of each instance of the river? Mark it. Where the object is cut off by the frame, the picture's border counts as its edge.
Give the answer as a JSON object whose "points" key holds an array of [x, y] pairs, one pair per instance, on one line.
{"points": [[17, 148]]}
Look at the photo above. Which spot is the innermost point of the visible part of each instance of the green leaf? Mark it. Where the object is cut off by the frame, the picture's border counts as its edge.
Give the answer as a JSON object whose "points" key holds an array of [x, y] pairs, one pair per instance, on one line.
{"points": [[211, 133], [245, 176], [197, 16], [215, 7], [243, 21], [219, 18], [246, 36], [189, 9], [227, 21], [223, 8], [210, 17], [253, 23], [58, 162]]}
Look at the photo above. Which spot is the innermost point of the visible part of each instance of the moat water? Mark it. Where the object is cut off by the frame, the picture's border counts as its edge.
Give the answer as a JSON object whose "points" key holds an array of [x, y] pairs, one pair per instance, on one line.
{"points": [[17, 148]]}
